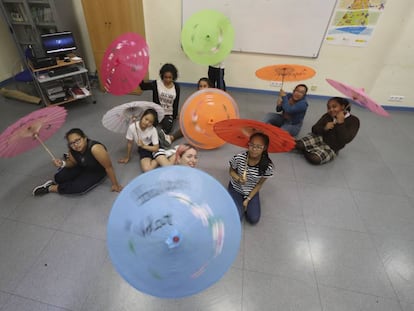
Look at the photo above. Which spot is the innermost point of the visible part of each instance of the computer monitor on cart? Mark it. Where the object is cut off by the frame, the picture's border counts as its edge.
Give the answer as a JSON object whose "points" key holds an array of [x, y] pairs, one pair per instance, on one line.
{"points": [[58, 43]]}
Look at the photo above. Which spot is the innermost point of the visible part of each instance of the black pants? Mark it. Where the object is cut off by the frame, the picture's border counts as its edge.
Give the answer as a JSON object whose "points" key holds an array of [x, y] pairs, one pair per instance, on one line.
{"points": [[77, 180], [216, 77]]}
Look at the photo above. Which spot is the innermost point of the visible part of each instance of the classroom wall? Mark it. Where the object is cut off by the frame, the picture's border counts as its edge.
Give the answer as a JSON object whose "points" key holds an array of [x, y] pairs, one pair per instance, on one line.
{"points": [[383, 68], [9, 56]]}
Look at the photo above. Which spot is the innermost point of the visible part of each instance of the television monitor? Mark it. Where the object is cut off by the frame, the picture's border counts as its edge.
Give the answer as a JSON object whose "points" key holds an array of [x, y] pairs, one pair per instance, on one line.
{"points": [[58, 43]]}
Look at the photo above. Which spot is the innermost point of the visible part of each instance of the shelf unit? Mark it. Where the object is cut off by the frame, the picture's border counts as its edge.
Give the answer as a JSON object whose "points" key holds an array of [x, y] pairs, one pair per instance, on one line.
{"points": [[63, 87], [27, 20]]}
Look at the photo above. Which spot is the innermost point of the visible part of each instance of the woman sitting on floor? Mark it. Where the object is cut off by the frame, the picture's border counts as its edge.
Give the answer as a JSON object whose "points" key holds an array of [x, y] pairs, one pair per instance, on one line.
{"points": [[87, 165]]}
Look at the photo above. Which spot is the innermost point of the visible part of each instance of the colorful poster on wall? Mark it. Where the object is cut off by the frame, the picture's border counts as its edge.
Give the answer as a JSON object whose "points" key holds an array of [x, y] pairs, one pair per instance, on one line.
{"points": [[353, 22]]}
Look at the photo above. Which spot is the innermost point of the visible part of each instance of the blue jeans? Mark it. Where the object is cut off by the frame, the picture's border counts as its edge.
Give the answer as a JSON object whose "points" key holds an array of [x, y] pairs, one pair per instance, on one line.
{"points": [[252, 212], [277, 119]]}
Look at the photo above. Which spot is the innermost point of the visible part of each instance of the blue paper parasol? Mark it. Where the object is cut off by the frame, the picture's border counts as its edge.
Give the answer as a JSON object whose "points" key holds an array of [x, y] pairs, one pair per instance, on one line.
{"points": [[173, 232]]}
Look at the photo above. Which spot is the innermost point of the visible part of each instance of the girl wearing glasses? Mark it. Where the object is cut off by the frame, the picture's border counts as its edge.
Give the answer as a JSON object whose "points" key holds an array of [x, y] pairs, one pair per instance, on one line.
{"points": [[290, 110], [248, 172], [87, 165]]}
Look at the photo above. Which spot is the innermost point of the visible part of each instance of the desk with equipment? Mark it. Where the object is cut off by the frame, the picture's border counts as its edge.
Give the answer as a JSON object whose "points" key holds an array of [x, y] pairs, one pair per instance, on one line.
{"points": [[60, 77]]}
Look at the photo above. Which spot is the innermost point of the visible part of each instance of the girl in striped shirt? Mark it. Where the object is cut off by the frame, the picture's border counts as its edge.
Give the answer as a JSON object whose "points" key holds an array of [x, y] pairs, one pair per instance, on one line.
{"points": [[248, 172]]}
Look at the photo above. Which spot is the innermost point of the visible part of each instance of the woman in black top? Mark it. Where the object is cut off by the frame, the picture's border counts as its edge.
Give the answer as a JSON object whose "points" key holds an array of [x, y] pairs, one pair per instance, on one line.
{"points": [[87, 164], [166, 93]]}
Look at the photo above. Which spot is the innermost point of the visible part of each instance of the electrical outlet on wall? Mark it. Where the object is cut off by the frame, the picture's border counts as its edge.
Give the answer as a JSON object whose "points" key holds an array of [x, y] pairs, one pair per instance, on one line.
{"points": [[275, 84], [396, 98]]}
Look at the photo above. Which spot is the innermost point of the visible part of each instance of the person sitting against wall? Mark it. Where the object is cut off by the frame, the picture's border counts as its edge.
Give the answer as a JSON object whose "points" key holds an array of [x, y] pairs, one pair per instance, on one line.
{"points": [[166, 93], [290, 110], [336, 128]]}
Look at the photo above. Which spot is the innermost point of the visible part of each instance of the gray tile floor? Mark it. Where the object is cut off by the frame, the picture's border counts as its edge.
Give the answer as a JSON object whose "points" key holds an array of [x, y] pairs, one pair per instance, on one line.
{"points": [[334, 237]]}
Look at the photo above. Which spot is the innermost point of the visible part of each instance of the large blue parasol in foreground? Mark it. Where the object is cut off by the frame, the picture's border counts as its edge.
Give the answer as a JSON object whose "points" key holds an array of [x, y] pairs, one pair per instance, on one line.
{"points": [[173, 232]]}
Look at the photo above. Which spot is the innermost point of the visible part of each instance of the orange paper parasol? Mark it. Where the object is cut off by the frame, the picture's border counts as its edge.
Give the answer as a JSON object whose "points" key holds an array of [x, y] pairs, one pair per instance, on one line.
{"points": [[238, 131], [199, 113], [285, 72]]}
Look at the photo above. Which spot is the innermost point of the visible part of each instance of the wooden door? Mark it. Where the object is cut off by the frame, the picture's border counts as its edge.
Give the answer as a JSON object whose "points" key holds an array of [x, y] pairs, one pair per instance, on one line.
{"points": [[97, 22], [107, 19]]}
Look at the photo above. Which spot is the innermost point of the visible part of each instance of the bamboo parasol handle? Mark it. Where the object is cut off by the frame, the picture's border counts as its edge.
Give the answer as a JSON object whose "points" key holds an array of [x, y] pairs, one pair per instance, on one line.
{"points": [[44, 146]]}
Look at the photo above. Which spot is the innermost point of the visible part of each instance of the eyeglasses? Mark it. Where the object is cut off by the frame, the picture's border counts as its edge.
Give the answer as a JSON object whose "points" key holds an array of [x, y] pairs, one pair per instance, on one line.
{"points": [[257, 147], [300, 92], [75, 142]]}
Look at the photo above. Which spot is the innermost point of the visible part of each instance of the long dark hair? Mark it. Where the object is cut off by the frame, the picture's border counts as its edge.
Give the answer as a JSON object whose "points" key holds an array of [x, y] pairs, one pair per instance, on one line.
{"points": [[264, 160], [169, 68]]}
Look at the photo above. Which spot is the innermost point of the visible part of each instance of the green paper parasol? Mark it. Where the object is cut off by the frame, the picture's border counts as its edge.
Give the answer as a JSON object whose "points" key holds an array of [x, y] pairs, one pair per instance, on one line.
{"points": [[207, 37]]}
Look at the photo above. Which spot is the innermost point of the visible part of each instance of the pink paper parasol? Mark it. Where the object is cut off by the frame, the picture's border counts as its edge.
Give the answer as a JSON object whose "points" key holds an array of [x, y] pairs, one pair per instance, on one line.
{"points": [[359, 96], [31, 130], [124, 64]]}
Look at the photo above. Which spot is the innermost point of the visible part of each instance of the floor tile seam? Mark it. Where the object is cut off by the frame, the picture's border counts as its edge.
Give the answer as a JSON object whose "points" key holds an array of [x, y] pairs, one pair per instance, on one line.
{"points": [[364, 220], [331, 227], [405, 191], [90, 291], [30, 223], [283, 276], [305, 182], [312, 260], [35, 261], [379, 192], [377, 251], [82, 235], [284, 219], [395, 299], [36, 300]]}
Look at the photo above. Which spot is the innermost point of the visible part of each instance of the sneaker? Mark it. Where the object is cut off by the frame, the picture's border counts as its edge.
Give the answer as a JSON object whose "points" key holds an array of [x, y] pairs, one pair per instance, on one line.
{"points": [[43, 189], [168, 138], [165, 141]]}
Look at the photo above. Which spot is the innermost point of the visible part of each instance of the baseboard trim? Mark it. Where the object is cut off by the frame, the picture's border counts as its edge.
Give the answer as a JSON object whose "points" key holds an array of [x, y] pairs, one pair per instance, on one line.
{"points": [[320, 97]]}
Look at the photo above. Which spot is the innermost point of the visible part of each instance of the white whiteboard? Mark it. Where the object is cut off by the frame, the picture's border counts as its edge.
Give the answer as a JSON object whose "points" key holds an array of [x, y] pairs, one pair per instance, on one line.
{"points": [[282, 27]]}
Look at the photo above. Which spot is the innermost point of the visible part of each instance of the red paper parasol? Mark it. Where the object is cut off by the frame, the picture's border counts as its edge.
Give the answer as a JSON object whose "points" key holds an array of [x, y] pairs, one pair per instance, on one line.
{"points": [[286, 72], [238, 131], [31, 130], [359, 96], [125, 64], [120, 117], [199, 113]]}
